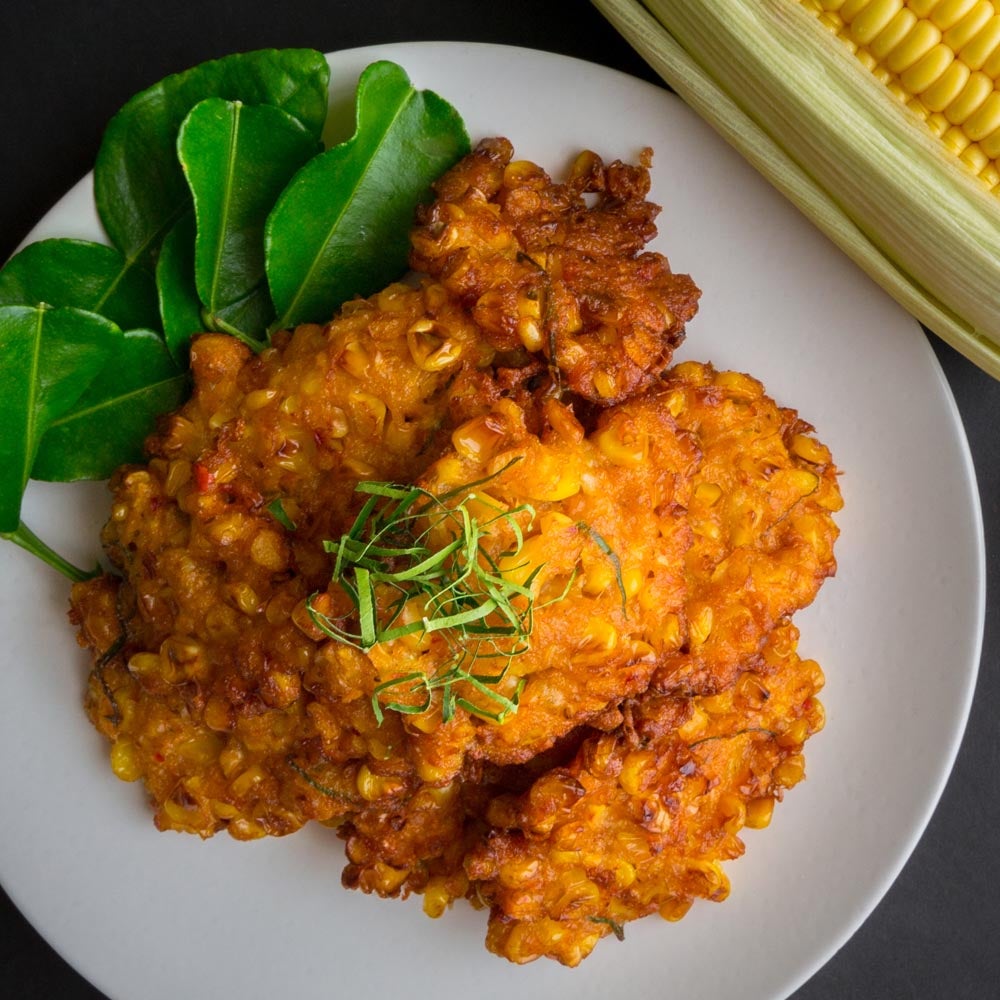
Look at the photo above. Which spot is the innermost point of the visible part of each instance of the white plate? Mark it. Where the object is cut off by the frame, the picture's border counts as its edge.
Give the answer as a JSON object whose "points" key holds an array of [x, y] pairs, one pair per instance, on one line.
{"points": [[150, 916]]}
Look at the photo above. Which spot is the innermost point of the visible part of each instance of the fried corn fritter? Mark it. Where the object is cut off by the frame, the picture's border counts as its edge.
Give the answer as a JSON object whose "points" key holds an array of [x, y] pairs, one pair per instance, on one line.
{"points": [[656, 528], [542, 271]]}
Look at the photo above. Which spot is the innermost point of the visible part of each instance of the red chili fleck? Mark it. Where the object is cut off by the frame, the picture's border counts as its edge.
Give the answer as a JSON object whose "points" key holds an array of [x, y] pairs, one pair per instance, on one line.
{"points": [[203, 478]]}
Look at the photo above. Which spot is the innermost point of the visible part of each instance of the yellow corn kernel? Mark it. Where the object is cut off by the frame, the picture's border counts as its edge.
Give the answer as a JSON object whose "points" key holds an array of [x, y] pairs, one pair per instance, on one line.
{"points": [[750, 689], [180, 816], [991, 148], [478, 439], [437, 898], [737, 382], [914, 47], [790, 771], [223, 810], [636, 767], [948, 87], [668, 633], [717, 704], [632, 580], [969, 24], [145, 664], [867, 60], [955, 139], [796, 734], [529, 331], [562, 420], [268, 550], [259, 398], [927, 69], [986, 120], [605, 384], [700, 625], [431, 353], [178, 474], [579, 894], [759, 812], [948, 12], [732, 812], [810, 449], [125, 760], [834, 23], [246, 781], [597, 577], [599, 635], [978, 49], [893, 33], [707, 493], [974, 158], [518, 566], [873, 19], [850, 9], [675, 909], [623, 448], [246, 829], [245, 598], [372, 786], [676, 403], [989, 175], [694, 726], [550, 477]]}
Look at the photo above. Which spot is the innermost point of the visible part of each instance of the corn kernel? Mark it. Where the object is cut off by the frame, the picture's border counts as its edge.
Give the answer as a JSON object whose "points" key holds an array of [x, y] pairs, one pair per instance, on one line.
{"points": [[914, 47], [629, 450], [125, 760], [978, 50], [893, 33], [948, 12], [675, 909], [437, 898], [759, 812], [790, 771], [700, 625]]}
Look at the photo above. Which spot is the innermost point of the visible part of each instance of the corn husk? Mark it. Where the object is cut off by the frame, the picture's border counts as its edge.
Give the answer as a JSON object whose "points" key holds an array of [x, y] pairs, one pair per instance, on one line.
{"points": [[828, 135]]}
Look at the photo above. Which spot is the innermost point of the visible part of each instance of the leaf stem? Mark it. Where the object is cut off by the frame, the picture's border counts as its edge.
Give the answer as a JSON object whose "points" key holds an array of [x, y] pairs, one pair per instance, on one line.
{"points": [[30, 542]]}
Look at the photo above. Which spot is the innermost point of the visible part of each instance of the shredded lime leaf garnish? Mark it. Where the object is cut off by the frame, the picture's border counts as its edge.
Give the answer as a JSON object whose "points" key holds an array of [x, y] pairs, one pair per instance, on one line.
{"points": [[729, 736], [416, 563], [276, 508], [319, 786], [616, 928], [616, 563]]}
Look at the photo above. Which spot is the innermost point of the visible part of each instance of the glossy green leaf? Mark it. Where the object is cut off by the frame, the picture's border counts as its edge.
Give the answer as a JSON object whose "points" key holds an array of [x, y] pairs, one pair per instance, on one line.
{"points": [[180, 307], [107, 425], [91, 276], [50, 356], [341, 228], [237, 159], [138, 184]]}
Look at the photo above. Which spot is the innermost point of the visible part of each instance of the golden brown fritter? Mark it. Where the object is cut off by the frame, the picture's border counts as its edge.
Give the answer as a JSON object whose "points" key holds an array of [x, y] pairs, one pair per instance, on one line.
{"points": [[758, 507], [542, 270], [216, 648], [639, 821], [666, 523]]}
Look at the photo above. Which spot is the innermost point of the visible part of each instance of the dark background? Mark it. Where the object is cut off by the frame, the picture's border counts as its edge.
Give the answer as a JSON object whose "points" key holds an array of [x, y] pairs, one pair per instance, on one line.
{"points": [[66, 67]]}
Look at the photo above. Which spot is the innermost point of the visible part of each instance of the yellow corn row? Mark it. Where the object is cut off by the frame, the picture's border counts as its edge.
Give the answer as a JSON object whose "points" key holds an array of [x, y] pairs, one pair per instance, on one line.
{"points": [[941, 58]]}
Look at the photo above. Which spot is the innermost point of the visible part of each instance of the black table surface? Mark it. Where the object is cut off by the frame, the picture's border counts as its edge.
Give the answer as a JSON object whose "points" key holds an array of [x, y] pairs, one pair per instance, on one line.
{"points": [[65, 67]]}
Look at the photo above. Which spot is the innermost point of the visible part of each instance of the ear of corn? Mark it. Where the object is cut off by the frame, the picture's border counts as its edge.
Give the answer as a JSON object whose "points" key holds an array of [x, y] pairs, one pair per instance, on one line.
{"points": [[885, 137]]}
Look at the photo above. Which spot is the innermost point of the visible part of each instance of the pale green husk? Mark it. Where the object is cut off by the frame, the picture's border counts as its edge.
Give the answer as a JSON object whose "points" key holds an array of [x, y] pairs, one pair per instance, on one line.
{"points": [[797, 105]]}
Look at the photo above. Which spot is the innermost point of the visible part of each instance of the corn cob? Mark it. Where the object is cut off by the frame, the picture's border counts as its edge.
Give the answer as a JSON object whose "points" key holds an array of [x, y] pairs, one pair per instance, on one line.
{"points": [[887, 136]]}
